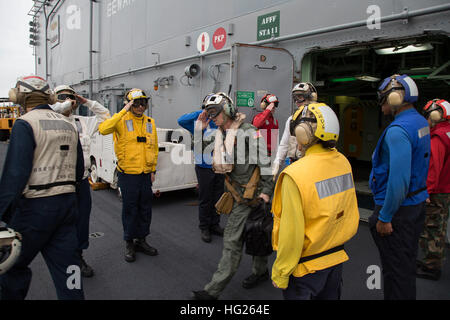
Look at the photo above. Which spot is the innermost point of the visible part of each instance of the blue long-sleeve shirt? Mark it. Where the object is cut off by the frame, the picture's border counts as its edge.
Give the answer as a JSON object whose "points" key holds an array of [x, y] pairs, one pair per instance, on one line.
{"points": [[19, 163], [397, 151], [187, 121]]}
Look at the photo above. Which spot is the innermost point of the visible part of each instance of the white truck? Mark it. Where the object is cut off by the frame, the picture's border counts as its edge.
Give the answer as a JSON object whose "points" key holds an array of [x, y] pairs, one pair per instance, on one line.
{"points": [[175, 169]]}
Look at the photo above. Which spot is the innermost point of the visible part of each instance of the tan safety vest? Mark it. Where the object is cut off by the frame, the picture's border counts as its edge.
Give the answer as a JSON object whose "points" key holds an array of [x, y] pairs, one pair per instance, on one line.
{"points": [[223, 157], [330, 208], [55, 155]]}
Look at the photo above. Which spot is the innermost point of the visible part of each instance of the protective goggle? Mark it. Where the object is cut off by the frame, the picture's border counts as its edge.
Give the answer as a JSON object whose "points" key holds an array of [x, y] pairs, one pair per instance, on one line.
{"points": [[140, 102], [381, 97], [213, 112], [299, 98], [65, 96]]}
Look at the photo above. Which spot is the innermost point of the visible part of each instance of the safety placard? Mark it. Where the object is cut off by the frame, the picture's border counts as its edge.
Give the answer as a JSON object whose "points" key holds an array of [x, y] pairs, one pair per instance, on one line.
{"points": [[268, 26], [219, 38], [245, 99], [203, 42]]}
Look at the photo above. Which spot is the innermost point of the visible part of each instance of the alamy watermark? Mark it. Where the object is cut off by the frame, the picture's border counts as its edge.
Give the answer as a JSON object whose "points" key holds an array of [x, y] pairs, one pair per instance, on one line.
{"points": [[374, 19], [249, 148], [74, 279], [374, 280]]}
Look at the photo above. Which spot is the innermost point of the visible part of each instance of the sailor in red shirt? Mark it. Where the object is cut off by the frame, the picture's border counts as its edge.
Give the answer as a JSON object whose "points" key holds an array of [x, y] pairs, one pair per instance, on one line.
{"points": [[265, 120], [433, 237]]}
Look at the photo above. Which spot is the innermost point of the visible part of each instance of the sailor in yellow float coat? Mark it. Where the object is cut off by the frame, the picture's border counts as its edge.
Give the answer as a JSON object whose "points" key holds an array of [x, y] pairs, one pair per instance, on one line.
{"points": [[133, 157], [315, 210], [136, 147]]}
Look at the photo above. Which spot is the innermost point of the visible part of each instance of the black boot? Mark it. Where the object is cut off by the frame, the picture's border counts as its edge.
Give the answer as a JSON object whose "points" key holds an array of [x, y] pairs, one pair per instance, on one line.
{"points": [[202, 295], [206, 235], [217, 230], [427, 273], [142, 246], [86, 270], [253, 280], [130, 252]]}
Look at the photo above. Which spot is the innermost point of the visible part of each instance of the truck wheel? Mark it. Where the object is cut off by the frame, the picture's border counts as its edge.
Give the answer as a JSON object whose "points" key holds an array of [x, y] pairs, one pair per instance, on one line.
{"points": [[119, 194], [4, 134], [94, 173], [114, 183]]}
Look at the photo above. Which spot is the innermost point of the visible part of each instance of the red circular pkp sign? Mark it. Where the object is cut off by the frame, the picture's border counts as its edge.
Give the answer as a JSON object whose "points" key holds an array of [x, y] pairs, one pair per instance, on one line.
{"points": [[219, 38]]}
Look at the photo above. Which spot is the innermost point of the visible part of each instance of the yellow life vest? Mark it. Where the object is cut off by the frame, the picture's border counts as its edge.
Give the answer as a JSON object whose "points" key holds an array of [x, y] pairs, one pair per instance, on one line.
{"points": [[136, 144], [330, 208]]}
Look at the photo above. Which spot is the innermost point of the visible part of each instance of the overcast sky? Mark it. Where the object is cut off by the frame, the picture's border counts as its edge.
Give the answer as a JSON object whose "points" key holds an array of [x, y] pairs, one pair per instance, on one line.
{"points": [[16, 55]]}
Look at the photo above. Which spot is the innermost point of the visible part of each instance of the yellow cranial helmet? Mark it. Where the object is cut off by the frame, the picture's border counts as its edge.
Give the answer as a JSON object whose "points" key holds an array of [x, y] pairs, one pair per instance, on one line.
{"points": [[134, 94], [316, 120]]}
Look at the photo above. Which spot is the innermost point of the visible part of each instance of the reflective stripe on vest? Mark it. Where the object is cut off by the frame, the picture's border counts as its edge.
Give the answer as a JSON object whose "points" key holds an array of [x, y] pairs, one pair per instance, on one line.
{"points": [[129, 124], [48, 125], [334, 185], [149, 127]]}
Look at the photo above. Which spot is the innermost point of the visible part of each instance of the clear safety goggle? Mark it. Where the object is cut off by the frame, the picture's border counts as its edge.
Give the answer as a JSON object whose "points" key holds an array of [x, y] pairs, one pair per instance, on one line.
{"points": [[299, 97], [214, 111]]}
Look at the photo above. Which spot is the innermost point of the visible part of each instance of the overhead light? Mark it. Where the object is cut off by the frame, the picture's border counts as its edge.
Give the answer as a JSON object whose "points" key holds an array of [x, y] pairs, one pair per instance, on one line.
{"points": [[405, 49], [343, 79], [368, 78], [419, 76]]}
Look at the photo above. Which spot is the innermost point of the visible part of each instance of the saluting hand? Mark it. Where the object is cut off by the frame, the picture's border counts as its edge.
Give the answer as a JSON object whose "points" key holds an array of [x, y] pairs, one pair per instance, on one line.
{"points": [[271, 107], [202, 121], [80, 99], [128, 106]]}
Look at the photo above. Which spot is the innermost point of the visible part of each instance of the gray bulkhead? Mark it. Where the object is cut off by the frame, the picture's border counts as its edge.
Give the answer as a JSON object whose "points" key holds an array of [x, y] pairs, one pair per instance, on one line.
{"points": [[138, 42]]}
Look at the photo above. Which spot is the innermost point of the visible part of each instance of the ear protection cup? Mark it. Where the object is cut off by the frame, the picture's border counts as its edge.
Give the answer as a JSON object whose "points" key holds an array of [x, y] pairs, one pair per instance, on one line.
{"points": [[53, 98], [303, 134], [313, 94], [435, 116], [228, 107], [13, 95], [395, 98], [229, 110]]}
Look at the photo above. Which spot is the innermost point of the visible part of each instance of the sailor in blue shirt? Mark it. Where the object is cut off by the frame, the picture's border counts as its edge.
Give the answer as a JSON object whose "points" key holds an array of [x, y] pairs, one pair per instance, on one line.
{"points": [[37, 191], [398, 182], [211, 185]]}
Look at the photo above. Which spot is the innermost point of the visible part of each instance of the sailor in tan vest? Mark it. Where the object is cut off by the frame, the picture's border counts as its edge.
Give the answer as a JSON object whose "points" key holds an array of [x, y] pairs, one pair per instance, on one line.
{"points": [[42, 167], [68, 102], [315, 210], [302, 94]]}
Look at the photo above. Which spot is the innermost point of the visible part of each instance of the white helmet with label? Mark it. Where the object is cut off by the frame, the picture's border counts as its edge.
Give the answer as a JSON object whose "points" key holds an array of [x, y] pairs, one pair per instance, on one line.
{"points": [[220, 102], [306, 90]]}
